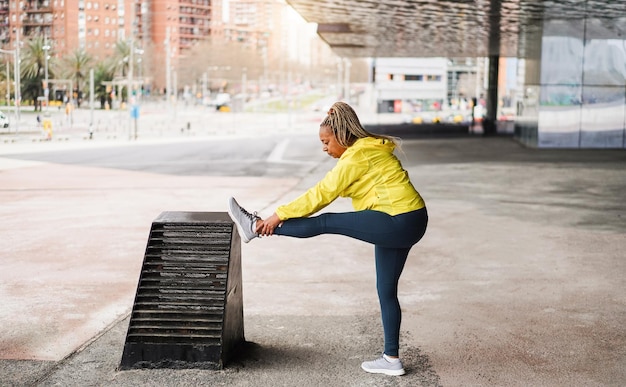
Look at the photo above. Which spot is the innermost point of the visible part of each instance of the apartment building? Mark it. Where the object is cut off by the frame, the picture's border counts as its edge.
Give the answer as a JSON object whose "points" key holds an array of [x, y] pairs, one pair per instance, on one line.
{"points": [[159, 29], [97, 25], [94, 26]]}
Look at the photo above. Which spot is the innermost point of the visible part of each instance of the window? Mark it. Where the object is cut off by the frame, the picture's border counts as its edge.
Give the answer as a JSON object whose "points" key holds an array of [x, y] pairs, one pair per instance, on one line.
{"points": [[433, 78], [409, 77]]}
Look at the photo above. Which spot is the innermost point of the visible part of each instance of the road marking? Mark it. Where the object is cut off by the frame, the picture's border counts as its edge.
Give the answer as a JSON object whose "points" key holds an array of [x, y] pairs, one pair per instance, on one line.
{"points": [[279, 151], [277, 154]]}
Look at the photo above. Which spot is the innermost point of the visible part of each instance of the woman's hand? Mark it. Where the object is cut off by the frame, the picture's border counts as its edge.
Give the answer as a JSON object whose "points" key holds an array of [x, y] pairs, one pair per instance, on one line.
{"points": [[268, 225]]}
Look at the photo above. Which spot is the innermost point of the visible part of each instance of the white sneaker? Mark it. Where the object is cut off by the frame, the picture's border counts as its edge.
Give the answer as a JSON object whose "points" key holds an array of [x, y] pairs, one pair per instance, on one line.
{"points": [[245, 221], [382, 366]]}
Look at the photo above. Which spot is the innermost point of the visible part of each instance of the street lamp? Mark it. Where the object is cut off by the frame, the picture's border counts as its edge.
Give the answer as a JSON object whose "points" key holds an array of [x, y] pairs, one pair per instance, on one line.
{"points": [[46, 47], [8, 78], [16, 72], [138, 62], [168, 68]]}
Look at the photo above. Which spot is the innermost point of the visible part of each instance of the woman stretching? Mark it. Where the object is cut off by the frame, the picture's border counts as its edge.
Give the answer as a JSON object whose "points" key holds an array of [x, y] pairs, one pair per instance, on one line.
{"points": [[389, 213]]}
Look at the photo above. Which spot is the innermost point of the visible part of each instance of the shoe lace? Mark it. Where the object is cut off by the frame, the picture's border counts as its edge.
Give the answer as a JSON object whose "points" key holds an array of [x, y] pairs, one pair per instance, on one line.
{"points": [[252, 216]]}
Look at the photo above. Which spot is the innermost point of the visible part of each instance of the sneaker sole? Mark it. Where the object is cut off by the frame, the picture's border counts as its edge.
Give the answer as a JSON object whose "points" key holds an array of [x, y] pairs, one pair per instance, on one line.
{"points": [[242, 235], [385, 372]]}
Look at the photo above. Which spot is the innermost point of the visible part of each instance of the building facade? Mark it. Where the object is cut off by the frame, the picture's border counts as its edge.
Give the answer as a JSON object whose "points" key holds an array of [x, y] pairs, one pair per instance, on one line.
{"points": [[162, 32], [91, 25], [407, 84], [574, 79]]}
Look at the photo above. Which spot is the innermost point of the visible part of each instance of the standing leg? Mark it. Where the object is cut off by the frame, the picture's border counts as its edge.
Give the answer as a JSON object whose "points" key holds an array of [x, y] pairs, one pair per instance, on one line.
{"points": [[389, 265]]}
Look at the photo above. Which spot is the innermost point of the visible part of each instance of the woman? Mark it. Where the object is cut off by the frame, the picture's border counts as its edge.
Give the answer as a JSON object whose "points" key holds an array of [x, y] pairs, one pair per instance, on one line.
{"points": [[389, 213]]}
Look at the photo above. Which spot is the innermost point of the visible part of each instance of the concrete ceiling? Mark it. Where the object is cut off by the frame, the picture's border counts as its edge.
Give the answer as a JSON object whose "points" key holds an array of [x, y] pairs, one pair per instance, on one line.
{"points": [[448, 28]]}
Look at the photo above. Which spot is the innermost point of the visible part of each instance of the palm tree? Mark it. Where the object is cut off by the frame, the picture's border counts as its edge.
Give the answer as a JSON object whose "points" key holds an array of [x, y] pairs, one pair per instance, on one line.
{"points": [[78, 65], [3, 80], [103, 72], [33, 69], [120, 57]]}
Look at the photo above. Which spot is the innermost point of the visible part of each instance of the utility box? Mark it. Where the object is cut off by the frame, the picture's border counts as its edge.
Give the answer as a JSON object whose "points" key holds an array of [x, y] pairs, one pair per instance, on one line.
{"points": [[188, 309]]}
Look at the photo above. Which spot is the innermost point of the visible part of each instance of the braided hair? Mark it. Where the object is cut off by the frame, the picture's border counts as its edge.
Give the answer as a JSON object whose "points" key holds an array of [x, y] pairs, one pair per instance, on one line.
{"points": [[346, 127]]}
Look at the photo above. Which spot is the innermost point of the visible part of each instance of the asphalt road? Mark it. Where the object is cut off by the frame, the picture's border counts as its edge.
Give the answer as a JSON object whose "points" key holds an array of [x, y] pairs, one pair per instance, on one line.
{"points": [[265, 155]]}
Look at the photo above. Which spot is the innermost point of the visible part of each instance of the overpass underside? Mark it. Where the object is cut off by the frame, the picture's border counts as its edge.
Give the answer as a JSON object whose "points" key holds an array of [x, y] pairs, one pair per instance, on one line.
{"points": [[572, 55]]}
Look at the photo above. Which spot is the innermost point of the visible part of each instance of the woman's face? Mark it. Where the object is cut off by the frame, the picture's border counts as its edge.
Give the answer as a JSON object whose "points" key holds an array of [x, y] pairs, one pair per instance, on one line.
{"points": [[329, 142]]}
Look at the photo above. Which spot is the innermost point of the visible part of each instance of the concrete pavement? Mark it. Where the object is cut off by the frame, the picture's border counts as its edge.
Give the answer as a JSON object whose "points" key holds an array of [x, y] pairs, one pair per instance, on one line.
{"points": [[519, 280]]}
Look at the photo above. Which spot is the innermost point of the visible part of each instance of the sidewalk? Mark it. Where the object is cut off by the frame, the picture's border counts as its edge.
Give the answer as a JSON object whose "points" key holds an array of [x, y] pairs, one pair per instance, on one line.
{"points": [[156, 120], [519, 281]]}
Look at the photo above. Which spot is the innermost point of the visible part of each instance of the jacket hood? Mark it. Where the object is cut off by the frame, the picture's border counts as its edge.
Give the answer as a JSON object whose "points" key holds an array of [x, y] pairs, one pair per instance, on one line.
{"points": [[373, 142]]}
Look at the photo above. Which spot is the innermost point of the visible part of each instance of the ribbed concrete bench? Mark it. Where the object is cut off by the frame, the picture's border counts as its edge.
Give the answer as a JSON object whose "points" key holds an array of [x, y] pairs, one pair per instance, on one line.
{"points": [[188, 309]]}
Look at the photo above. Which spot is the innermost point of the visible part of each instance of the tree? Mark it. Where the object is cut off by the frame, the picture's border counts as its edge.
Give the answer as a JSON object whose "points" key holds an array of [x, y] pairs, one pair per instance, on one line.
{"points": [[77, 65], [120, 63], [103, 72], [3, 80], [33, 62], [120, 57]]}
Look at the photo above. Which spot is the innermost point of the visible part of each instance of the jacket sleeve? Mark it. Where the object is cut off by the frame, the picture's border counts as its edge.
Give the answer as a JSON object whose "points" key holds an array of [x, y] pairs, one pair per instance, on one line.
{"points": [[323, 193]]}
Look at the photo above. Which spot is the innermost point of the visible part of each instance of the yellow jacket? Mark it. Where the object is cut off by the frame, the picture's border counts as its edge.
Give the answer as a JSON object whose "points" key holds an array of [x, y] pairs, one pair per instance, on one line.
{"points": [[367, 172]]}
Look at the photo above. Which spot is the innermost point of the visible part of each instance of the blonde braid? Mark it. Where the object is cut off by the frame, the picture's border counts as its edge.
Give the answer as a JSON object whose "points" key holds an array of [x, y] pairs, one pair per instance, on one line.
{"points": [[346, 127]]}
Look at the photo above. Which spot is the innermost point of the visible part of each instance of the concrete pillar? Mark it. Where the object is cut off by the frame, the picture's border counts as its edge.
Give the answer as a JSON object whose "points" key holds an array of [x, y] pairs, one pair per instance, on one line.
{"points": [[489, 125]]}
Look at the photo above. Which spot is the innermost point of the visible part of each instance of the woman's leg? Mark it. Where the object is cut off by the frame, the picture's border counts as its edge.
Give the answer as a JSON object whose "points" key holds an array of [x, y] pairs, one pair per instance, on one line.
{"points": [[393, 237], [370, 226], [389, 265]]}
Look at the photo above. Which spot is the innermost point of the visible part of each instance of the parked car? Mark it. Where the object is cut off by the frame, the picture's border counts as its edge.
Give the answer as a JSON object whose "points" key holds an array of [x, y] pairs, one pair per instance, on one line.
{"points": [[4, 120], [221, 100]]}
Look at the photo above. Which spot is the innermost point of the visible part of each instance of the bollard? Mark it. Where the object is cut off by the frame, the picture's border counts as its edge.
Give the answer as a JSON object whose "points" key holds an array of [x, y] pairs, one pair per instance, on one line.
{"points": [[188, 309]]}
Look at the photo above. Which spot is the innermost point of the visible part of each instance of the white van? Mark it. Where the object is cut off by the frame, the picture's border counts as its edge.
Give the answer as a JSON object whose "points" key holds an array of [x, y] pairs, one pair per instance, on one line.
{"points": [[4, 120]]}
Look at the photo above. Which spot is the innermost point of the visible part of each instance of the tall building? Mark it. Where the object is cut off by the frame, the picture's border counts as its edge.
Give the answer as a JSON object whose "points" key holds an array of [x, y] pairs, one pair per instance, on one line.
{"points": [[92, 25], [162, 31], [168, 28]]}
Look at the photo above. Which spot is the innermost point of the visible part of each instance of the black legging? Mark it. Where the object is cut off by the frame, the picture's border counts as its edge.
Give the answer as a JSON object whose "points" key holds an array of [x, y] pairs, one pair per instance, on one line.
{"points": [[392, 236]]}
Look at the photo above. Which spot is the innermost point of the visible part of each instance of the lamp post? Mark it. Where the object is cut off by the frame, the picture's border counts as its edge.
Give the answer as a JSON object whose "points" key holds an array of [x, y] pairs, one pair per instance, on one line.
{"points": [[16, 79], [18, 87], [129, 92], [168, 69], [139, 65], [46, 91], [8, 84]]}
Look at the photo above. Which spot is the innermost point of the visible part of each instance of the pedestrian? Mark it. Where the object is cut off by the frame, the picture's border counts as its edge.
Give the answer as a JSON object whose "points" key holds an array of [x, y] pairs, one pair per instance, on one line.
{"points": [[389, 213]]}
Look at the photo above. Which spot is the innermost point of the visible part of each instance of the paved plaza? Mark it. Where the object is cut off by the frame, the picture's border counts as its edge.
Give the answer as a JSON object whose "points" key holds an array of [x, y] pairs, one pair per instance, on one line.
{"points": [[519, 280]]}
